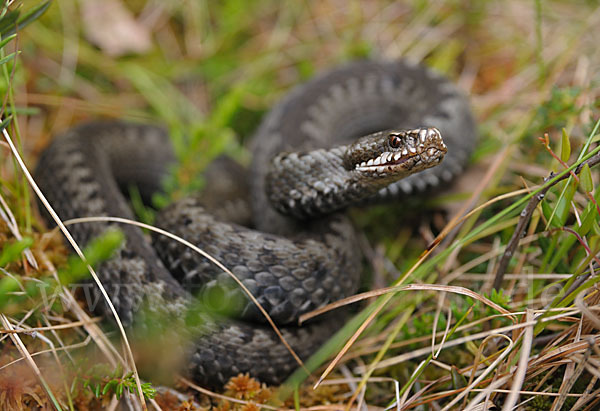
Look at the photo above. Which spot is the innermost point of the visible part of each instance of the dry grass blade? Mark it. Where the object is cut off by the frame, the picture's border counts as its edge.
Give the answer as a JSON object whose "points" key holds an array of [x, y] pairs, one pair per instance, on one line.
{"points": [[519, 376], [434, 332], [402, 402], [526, 392], [560, 352], [31, 330], [411, 287], [349, 343], [585, 309], [475, 403]]}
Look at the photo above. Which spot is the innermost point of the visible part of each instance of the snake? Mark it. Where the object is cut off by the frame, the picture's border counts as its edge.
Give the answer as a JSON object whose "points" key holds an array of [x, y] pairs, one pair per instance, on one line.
{"points": [[363, 132]]}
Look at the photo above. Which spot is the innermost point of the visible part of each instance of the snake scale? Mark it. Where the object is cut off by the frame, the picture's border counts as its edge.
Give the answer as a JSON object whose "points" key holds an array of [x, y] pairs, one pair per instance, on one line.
{"points": [[310, 161]]}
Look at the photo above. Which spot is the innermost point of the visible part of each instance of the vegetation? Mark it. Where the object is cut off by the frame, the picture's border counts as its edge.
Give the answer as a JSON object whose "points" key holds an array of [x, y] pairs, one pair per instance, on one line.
{"points": [[504, 299]]}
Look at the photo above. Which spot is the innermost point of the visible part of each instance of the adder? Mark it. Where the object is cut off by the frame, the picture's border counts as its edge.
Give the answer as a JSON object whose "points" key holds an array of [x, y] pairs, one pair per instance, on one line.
{"points": [[317, 152]]}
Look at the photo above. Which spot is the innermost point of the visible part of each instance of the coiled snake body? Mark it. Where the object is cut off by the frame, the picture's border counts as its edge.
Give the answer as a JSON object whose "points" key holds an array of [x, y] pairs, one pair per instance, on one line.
{"points": [[308, 164]]}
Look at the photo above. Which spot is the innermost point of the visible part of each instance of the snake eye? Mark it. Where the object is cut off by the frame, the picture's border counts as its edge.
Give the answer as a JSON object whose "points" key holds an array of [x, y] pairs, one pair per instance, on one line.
{"points": [[395, 140]]}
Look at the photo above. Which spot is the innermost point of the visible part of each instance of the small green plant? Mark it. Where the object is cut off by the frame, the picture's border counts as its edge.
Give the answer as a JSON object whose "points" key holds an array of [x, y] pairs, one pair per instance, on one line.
{"points": [[500, 298], [12, 252], [101, 382], [97, 251], [558, 111]]}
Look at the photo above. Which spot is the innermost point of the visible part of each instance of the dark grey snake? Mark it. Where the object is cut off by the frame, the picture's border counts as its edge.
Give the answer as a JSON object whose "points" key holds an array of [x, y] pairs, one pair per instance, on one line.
{"points": [[309, 163]]}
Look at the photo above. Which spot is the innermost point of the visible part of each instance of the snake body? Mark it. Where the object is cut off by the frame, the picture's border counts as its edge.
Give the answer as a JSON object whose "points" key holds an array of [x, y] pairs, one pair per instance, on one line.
{"points": [[309, 163]]}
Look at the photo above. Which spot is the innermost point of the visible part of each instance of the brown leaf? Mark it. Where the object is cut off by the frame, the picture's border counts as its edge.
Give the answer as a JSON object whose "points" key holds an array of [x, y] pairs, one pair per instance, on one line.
{"points": [[113, 28]]}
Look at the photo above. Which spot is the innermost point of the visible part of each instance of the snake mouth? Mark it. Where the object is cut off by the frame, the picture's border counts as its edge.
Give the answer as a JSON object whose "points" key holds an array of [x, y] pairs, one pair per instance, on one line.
{"points": [[406, 159], [385, 160]]}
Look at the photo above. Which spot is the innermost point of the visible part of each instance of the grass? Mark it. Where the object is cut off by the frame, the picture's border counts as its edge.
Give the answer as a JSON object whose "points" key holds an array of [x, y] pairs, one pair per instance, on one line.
{"points": [[211, 72]]}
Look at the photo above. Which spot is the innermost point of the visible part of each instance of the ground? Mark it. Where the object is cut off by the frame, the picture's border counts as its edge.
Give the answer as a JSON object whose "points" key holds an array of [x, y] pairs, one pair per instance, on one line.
{"points": [[209, 71]]}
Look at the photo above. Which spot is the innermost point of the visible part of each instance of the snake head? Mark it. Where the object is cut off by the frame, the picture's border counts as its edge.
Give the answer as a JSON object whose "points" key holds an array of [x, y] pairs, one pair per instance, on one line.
{"points": [[318, 182], [393, 154]]}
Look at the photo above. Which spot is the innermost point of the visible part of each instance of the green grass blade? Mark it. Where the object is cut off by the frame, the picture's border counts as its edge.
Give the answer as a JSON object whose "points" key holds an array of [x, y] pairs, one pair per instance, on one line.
{"points": [[8, 21], [27, 18], [8, 58], [6, 40]]}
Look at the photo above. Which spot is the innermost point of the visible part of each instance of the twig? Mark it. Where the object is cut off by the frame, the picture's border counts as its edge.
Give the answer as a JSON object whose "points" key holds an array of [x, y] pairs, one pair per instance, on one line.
{"points": [[526, 216]]}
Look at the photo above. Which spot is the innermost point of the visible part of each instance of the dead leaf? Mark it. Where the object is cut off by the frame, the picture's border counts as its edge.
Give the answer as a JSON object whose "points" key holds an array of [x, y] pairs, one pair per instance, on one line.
{"points": [[112, 27]]}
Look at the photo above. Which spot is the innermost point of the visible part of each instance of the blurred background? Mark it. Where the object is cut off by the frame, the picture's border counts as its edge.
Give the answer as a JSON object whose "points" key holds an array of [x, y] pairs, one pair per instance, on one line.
{"points": [[210, 70]]}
